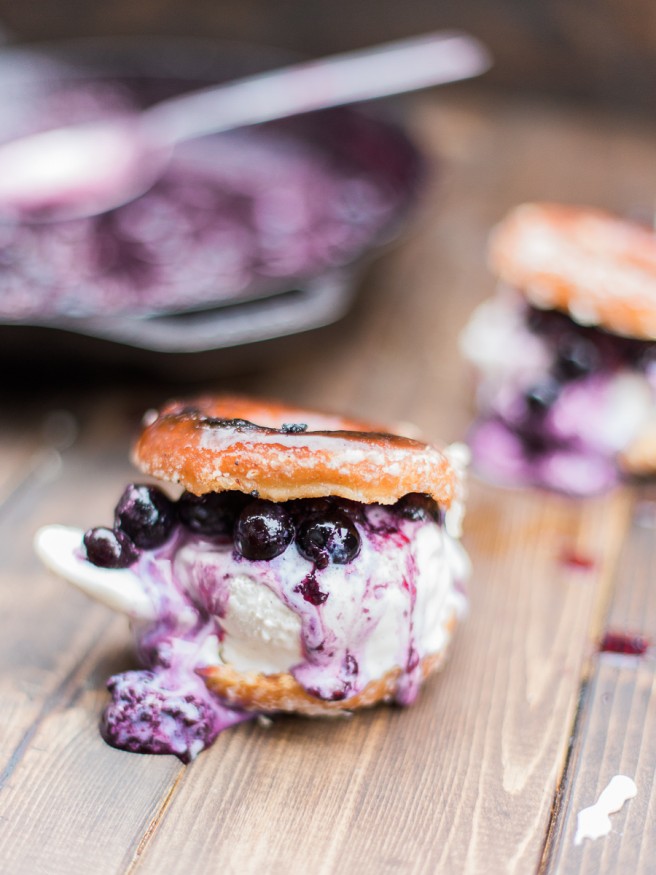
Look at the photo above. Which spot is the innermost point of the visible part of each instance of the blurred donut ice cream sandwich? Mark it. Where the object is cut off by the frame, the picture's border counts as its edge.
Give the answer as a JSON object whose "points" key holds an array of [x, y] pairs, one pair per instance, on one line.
{"points": [[565, 351], [311, 564]]}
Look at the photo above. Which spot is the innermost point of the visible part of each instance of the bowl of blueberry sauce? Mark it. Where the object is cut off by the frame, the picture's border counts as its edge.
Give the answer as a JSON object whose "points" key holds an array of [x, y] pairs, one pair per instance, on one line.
{"points": [[237, 219]]}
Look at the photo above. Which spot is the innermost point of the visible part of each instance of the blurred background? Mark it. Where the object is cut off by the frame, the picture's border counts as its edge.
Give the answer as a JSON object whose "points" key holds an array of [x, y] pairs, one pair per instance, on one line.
{"points": [[600, 50], [563, 114]]}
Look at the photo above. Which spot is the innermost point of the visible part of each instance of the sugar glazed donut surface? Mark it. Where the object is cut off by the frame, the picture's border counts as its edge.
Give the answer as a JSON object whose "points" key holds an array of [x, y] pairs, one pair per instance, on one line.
{"points": [[292, 587], [284, 453], [599, 268]]}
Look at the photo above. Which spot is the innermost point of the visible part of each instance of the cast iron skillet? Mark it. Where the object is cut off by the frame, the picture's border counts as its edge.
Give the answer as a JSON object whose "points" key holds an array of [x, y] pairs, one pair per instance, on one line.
{"points": [[261, 321]]}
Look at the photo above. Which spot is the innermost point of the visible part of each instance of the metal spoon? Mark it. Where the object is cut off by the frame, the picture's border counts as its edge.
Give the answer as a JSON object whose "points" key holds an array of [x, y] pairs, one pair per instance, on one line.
{"points": [[85, 169]]}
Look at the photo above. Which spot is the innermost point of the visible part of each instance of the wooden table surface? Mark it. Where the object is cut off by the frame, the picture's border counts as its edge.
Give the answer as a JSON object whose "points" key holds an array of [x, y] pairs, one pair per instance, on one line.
{"points": [[527, 724]]}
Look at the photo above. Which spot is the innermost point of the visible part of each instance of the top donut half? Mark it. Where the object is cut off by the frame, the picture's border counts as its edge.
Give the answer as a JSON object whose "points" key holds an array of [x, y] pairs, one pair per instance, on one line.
{"points": [[598, 268], [220, 443]]}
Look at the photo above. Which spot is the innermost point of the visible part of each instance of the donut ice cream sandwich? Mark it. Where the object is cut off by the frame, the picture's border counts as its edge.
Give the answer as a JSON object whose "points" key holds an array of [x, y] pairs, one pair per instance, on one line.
{"points": [[310, 564], [566, 351]]}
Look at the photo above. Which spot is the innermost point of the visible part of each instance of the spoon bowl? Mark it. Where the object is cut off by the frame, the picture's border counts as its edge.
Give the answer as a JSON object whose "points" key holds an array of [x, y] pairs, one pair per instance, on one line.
{"points": [[78, 170]]}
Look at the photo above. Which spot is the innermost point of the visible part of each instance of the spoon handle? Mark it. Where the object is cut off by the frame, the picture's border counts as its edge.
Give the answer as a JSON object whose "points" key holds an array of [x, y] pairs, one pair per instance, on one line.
{"points": [[393, 68]]}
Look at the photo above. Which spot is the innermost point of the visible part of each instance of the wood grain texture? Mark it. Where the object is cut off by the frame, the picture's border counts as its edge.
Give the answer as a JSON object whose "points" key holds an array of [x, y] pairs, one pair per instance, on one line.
{"points": [[618, 721], [617, 737], [68, 803], [394, 789], [465, 780]]}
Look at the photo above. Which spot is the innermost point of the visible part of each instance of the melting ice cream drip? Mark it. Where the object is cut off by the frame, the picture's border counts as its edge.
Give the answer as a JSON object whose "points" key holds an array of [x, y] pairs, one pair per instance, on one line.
{"points": [[167, 708], [192, 600], [594, 822]]}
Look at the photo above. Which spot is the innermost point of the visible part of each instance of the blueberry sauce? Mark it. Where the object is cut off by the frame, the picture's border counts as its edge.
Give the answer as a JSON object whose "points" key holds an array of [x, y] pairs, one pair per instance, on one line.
{"points": [[309, 589], [560, 420], [342, 617], [232, 216], [619, 642], [149, 715]]}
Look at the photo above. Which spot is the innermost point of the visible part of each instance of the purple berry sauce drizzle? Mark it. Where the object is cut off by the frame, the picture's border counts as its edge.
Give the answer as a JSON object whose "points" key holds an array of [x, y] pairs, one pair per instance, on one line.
{"points": [[166, 707], [232, 217], [542, 436]]}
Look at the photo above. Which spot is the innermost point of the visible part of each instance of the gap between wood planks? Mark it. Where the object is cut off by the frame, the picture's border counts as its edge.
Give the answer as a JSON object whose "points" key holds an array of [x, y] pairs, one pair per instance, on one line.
{"points": [[561, 788], [154, 823], [599, 624]]}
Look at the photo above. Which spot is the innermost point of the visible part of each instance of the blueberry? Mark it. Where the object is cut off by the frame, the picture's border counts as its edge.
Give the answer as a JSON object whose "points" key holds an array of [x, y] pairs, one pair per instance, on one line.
{"points": [[146, 515], [354, 510], [643, 358], [546, 322], [417, 506], [575, 357], [109, 548], [211, 514], [534, 442], [537, 321], [330, 537], [263, 530], [540, 397], [302, 508]]}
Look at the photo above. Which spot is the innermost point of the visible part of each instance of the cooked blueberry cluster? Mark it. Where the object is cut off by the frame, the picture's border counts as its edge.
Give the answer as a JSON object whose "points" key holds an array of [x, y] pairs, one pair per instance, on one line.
{"points": [[580, 351], [324, 530]]}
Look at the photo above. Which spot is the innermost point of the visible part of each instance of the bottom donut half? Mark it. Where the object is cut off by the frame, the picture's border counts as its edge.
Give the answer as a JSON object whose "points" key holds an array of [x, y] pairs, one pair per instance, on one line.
{"points": [[281, 692]]}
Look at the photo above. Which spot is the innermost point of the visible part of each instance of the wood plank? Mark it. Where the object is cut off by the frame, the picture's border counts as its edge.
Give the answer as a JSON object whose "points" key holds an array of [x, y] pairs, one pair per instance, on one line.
{"points": [[44, 486], [617, 736], [464, 781], [618, 720], [68, 802], [633, 606]]}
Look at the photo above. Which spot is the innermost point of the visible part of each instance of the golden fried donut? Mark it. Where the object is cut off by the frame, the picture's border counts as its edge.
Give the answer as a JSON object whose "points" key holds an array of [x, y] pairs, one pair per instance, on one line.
{"points": [[282, 453], [599, 268]]}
